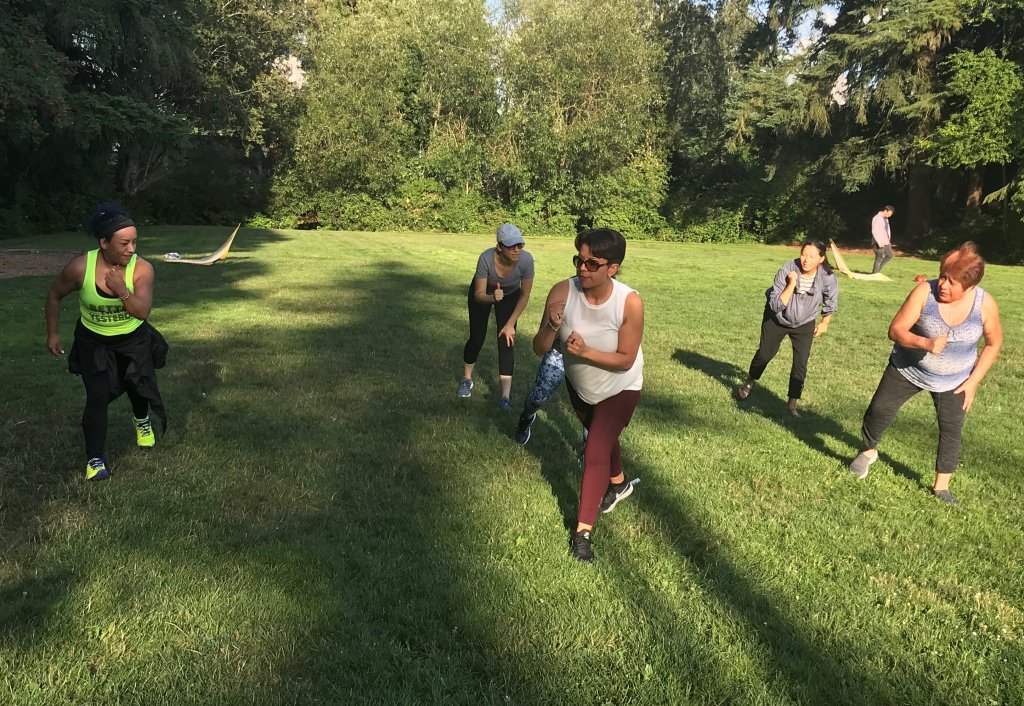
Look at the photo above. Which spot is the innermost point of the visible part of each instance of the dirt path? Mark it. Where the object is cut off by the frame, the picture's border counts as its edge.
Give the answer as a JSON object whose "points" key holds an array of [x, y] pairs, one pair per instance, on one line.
{"points": [[34, 263]]}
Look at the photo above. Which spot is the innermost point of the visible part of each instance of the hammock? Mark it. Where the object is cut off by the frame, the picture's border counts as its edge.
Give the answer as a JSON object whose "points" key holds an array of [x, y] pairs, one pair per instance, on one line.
{"points": [[220, 254], [842, 267]]}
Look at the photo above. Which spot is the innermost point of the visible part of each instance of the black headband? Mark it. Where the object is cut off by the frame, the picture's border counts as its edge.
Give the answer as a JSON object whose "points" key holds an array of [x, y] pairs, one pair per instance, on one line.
{"points": [[110, 225]]}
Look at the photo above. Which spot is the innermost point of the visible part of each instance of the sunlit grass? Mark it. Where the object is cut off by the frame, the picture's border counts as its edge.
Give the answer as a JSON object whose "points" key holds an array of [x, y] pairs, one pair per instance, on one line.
{"points": [[326, 523]]}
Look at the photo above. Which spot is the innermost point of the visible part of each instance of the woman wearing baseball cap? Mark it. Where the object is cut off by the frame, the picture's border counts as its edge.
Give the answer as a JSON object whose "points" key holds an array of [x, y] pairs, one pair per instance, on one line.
{"points": [[503, 280]]}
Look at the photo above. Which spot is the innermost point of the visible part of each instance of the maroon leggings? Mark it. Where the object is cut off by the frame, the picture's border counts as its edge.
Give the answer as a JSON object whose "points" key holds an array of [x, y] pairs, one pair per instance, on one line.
{"points": [[602, 459]]}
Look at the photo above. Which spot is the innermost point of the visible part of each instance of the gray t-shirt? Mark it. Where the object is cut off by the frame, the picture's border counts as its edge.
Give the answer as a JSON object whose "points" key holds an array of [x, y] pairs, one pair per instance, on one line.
{"points": [[523, 269]]}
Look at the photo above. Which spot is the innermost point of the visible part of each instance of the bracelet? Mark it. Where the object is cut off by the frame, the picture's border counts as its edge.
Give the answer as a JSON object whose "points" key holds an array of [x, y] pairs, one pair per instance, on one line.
{"points": [[553, 328], [126, 295]]}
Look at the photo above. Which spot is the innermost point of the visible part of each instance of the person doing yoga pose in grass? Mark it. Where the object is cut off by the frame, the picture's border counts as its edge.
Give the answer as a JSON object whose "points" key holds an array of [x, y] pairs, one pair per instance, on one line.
{"points": [[600, 323], [115, 348], [504, 280], [802, 287], [935, 338]]}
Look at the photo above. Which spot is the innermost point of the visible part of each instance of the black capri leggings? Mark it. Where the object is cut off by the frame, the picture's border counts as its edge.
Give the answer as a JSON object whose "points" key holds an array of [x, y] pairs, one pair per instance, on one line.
{"points": [[772, 334], [479, 315]]}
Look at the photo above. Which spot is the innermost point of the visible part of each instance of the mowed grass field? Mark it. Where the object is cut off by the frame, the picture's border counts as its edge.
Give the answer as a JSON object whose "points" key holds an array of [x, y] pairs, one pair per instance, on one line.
{"points": [[326, 523]]}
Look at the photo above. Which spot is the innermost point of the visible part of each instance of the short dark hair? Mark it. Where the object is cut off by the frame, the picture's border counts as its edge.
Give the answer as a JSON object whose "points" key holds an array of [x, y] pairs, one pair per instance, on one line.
{"points": [[107, 219], [604, 242], [889, 208]]}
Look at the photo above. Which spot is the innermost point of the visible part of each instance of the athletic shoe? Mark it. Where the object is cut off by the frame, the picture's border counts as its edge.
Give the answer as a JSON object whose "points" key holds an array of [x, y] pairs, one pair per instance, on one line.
{"points": [[144, 435], [465, 387], [617, 493], [946, 497], [523, 428], [505, 404], [96, 469], [860, 465], [579, 546]]}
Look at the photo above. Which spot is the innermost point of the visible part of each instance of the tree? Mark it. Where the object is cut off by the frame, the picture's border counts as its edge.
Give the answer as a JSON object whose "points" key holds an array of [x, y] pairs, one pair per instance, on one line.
{"points": [[581, 105]]}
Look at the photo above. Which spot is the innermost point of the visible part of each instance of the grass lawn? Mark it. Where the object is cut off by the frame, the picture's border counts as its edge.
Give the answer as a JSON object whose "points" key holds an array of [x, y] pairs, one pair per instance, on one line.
{"points": [[326, 523]]}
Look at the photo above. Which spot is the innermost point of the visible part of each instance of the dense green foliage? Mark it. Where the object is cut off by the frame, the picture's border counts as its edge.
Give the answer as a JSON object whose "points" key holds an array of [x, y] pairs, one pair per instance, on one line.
{"points": [[673, 119], [326, 523]]}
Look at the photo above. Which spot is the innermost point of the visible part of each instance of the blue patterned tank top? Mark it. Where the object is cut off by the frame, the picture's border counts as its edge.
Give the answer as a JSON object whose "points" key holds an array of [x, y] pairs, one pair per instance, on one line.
{"points": [[947, 370]]}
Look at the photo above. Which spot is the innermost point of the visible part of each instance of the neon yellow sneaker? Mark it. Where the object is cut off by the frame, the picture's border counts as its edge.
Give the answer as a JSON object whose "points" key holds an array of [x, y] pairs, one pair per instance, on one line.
{"points": [[96, 469], [144, 435]]}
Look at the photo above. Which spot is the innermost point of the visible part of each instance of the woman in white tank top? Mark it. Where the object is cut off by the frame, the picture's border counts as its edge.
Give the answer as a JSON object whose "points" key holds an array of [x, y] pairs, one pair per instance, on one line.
{"points": [[600, 322]]}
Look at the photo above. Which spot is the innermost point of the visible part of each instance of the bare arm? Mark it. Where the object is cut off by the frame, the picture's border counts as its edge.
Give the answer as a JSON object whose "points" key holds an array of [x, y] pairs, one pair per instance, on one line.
{"points": [[480, 291], [509, 329], [140, 303], [992, 330], [554, 308], [69, 280], [630, 334], [526, 286], [907, 316]]}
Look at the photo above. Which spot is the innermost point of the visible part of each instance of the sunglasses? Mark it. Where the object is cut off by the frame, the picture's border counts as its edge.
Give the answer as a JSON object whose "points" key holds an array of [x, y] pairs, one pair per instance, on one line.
{"points": [[590, 263], [517, 246]]}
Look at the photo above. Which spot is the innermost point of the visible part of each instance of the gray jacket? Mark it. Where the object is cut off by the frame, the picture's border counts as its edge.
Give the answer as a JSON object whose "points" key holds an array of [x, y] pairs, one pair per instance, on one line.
{"points": [[803, 308]]}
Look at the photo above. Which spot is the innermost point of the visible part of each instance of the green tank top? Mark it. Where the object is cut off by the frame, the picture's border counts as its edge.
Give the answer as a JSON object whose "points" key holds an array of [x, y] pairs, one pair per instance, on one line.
{"points": [[103, 315]]}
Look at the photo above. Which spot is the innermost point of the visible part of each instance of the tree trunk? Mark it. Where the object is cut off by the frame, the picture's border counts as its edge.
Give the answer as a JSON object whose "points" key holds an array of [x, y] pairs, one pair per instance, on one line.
{"points": [[975, 184], [918, 203]]}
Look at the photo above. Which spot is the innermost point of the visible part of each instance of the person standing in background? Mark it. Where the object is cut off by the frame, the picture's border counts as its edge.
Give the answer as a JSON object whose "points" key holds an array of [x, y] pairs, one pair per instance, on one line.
{"points": [[881, 236]]}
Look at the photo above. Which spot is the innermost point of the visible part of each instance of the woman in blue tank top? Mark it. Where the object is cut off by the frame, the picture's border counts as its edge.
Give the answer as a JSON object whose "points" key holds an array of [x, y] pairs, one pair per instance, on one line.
{"points": [[935, 338]]}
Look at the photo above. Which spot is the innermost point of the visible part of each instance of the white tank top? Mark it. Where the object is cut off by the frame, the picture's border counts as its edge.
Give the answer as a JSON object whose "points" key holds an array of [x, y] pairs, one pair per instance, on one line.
{"points": [[599, 326]]}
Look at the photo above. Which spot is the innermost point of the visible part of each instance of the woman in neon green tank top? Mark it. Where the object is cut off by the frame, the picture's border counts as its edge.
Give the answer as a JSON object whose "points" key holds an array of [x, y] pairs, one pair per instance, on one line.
{"points": [[115, 348]]}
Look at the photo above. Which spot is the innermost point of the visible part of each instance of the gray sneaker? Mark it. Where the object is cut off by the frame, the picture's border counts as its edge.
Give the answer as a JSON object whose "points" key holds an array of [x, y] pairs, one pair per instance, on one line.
{"points": [[617, 493], [465, 387], [859, 466], [946, 497]]}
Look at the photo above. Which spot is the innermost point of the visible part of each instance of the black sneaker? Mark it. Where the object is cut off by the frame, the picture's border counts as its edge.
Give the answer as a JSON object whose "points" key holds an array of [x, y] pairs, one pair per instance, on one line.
{"points": [[617, 493], [523, 428], [579, 546]]}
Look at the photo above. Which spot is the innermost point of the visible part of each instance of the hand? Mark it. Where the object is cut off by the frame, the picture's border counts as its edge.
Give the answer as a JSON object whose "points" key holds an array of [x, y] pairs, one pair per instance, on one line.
{"points": [[498, 294], [114, 281], [556, 312], [968, 387], [936, 345], [791, 278], [509, 332], [576, 345], [53, 345], [820, 329]]}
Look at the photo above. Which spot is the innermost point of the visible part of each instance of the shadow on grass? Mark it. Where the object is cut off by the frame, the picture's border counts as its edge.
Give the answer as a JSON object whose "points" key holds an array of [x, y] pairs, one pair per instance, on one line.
{"points": [[40, 435], [325, 486], [810, 428], [804, 670], [28, 604]]}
